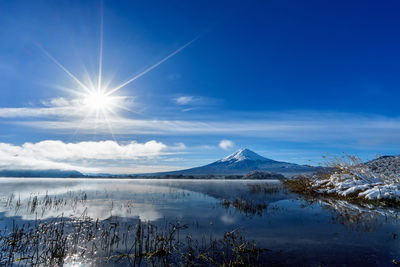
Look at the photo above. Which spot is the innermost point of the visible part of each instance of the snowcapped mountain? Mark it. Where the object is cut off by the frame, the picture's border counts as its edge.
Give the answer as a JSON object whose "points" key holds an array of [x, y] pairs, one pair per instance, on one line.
{"points": [[243, 154], [244, 161]]}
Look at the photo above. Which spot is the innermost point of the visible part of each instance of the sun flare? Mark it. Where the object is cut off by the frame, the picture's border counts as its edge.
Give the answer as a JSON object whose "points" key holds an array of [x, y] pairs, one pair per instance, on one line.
{"points": [[95, 101], [99, 101]]}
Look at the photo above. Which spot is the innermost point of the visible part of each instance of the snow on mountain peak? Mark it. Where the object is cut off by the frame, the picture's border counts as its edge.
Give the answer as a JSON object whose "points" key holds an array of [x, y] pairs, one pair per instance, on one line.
{"points": [[243, 154]]}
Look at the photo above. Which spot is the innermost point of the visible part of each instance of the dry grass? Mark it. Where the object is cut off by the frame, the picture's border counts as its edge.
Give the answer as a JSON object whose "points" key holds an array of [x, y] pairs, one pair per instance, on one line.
{"points": [[246, 207], [83, 240], [301, 185]]}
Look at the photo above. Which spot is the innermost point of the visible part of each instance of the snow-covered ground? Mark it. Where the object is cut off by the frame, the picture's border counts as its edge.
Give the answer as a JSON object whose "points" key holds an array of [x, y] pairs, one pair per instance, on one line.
{"points": [[374, 180]]}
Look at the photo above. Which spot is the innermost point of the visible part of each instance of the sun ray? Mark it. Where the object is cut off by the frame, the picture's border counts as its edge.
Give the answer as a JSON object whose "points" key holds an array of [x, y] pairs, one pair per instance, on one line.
{"points": [[65, 69], [109, 127], [88, 78], [88, 114], [151, 67], [101, 49], [94, 102], [121, 106]]}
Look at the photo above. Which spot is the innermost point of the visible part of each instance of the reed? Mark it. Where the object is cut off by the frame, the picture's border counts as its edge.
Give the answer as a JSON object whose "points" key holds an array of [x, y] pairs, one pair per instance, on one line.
{"points": [[115, 241]]}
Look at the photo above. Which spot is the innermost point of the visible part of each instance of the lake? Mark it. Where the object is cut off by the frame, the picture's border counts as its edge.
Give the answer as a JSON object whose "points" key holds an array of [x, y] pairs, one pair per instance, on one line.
{"points": [[294, 231]]}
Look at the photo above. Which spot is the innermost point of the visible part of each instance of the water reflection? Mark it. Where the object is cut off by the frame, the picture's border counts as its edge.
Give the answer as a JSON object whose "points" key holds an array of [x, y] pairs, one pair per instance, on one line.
{"points": [[294, 229], [147, 200], [152, 200], [357, 216]]}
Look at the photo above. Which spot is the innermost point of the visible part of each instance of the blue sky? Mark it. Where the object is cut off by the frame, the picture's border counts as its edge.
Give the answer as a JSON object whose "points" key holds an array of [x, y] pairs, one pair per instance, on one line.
{"points": [[291, 80]]}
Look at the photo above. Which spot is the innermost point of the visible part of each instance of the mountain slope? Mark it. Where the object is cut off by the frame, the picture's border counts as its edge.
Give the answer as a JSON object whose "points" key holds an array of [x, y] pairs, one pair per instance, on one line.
{"points": [[41, 173], [244, 161]]}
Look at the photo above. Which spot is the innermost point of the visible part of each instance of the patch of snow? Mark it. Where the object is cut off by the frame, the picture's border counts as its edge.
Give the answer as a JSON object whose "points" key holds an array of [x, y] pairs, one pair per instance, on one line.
{"points": [[375, 180], [243, 154]]}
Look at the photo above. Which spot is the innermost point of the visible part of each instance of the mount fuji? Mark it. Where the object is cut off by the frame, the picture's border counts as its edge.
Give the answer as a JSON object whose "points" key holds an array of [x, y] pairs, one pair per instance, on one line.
{"points": [[244, 161]]}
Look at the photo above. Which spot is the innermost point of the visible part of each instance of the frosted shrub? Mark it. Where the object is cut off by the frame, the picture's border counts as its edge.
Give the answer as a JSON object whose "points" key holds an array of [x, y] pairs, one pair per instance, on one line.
{"points": [[348, 176]]}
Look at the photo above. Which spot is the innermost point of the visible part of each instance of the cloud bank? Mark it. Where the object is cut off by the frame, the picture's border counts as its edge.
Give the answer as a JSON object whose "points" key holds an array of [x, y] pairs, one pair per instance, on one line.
{"points": [[55, 154], [366, 129], [61, 115]]}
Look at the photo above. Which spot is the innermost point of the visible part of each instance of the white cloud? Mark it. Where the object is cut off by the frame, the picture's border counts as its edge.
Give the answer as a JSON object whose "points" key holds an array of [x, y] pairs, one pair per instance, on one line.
{"points": [[184, 100], [60, 107], [55, 154], [207, 147], [197, 101], [226, 144], [92, 150], [57, 102], [36, 112], [357, 131], [178, 146], [61, 115], [304, 128]]}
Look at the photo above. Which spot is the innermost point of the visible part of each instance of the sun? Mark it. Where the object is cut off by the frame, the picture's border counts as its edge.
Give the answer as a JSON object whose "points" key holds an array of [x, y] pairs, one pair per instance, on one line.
{"points": [[96, 102], [99, 101]]}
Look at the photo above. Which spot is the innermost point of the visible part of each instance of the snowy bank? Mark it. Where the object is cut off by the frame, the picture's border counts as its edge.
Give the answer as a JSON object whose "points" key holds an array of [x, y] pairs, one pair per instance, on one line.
{"points": [[375, 180]]}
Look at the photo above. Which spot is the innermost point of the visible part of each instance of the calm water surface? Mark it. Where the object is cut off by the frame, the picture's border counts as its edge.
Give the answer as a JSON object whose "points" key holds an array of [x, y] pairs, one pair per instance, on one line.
{"points": [[296, 231]]}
